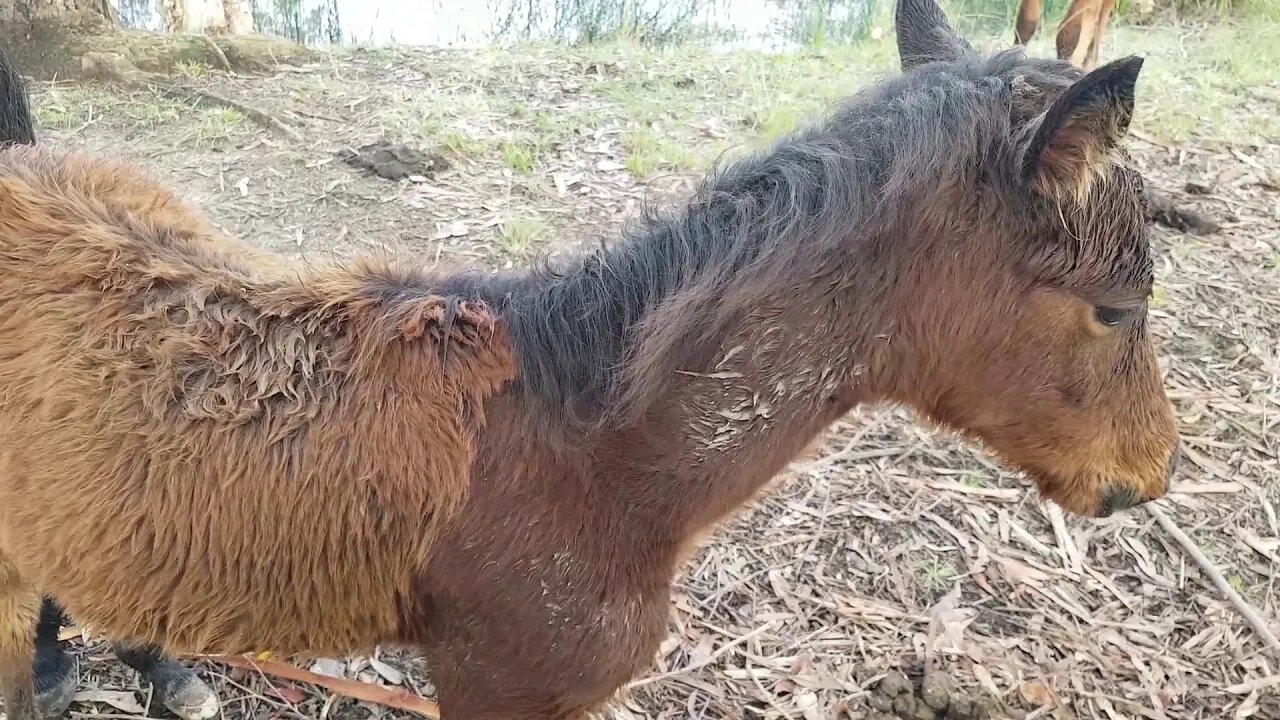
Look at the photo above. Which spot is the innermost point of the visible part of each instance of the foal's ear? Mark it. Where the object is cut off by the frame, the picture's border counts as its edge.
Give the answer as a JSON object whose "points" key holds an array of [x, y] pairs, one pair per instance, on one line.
{"points": [[1071, 144], [925, 36]]}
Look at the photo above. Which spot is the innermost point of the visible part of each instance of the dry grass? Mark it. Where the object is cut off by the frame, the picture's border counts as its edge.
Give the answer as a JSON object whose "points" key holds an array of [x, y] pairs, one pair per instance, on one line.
{"points": [[897, 547]]}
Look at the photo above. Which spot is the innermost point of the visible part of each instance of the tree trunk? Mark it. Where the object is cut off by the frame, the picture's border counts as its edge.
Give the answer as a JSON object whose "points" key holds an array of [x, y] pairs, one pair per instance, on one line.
{"points": [[208, 17], [239, 16], [35, 33], [73, 38]]}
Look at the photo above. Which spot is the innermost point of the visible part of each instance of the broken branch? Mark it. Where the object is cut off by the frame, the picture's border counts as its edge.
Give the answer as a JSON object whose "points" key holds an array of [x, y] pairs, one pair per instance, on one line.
{"points": [[400, 699], [1242, 606]]}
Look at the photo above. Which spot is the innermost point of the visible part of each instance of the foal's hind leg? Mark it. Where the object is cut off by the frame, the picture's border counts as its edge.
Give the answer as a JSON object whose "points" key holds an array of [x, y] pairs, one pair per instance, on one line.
{"points": [[177, 686], [19, 611]]}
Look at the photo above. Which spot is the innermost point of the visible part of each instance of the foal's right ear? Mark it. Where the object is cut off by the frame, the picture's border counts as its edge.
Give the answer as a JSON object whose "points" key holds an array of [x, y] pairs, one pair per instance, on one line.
{"points": [[1073, 141], [925, 36]]}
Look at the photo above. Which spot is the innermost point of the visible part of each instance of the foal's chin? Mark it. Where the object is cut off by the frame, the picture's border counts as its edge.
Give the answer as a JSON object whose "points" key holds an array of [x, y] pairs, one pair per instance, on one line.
{"points": [[1104, 499]]}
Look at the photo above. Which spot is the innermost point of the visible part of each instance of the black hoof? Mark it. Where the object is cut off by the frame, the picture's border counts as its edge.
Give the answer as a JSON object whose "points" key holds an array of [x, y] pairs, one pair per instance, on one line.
{"points": [[55, 681], [183, 692]]}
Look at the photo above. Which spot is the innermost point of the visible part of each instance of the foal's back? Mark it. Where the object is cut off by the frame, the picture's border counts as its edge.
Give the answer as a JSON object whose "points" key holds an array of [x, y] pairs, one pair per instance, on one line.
{"points": [[203, 447]]}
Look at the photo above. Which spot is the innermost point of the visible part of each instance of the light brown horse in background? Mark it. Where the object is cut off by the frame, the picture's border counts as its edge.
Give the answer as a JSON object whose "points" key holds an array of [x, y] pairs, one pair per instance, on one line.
{"points": [[1079, 35]]}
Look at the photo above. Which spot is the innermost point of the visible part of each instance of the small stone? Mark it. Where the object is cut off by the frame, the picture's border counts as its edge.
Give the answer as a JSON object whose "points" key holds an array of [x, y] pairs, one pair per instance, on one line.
{"points": [[924, 712], [983, 709], [905, 705], [877, 715], [936, 690], [881, 702], [895, 684]]}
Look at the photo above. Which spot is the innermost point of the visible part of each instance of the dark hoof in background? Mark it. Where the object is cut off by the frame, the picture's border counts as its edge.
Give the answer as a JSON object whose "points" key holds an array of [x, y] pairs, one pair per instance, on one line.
{"points": [[180, 690], [55, 680]]}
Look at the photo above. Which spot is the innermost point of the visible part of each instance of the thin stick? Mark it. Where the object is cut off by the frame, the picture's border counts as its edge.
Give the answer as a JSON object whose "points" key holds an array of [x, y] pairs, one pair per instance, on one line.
{"points": [[1242, 606], [368, 692], [262, 118], [1254, 685], [217, 52], [699, 665]]}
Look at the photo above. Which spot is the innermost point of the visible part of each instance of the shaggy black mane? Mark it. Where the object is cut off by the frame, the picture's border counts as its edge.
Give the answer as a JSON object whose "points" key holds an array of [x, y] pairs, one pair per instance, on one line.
{"points": [[600, 336]]}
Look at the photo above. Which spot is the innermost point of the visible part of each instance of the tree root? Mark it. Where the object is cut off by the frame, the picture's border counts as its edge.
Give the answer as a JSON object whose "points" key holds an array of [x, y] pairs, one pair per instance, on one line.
{"points": [[116, 69]]}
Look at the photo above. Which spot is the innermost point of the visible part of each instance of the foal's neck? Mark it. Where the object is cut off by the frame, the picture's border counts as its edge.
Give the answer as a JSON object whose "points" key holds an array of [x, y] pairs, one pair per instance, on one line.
{"points": [[779, 380]]}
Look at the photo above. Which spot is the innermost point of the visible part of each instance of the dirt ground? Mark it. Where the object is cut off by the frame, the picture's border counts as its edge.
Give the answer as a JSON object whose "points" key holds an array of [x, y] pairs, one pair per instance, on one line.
{"points": [[898, 545]]}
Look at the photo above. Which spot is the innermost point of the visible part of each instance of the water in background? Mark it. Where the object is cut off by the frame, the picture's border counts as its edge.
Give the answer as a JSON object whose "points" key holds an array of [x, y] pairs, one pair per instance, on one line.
{"points": [[755, 24]]}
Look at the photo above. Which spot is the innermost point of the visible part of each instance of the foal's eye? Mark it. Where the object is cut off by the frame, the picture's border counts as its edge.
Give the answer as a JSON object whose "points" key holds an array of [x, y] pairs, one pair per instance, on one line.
{"points": [[1110, 316]]}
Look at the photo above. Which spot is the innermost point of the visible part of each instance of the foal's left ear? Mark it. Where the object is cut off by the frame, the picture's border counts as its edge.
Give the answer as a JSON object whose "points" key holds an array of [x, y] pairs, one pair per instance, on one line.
{"points": [[925, 36], [1071, 144]]}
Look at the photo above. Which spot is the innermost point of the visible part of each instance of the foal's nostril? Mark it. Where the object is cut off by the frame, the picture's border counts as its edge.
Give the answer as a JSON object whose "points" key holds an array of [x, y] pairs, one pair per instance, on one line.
{"points": [[1119, 497]]}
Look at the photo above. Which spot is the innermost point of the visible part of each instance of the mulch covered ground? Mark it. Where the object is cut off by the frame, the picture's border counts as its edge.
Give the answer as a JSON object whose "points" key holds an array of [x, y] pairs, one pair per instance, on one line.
{"points": [[897, 548]]}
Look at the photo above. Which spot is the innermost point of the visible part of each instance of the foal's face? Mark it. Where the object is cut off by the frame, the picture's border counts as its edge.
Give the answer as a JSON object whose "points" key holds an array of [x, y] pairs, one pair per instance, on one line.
{"points": [[1041, 347], [1052, 364]]}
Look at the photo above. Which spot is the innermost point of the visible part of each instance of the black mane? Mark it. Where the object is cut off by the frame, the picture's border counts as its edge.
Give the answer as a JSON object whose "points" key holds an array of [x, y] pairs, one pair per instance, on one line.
{"points": [[600, 336]]}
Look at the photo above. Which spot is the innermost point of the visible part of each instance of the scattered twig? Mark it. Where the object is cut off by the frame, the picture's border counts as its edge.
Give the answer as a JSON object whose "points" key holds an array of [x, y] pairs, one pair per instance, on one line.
{"points": [[368, 692], [1242, 606], [262, 118], [1254, 685], [217, 52], [703, 663]]}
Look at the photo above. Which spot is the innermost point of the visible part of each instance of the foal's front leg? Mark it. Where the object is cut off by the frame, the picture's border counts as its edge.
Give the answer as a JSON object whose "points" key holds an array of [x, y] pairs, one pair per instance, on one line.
{"points": [[19, 610], [177, 686]]}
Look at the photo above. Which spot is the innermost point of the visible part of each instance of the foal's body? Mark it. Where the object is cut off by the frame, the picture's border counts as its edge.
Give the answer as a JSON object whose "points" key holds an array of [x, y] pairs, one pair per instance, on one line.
{"points": [[506, 470]]}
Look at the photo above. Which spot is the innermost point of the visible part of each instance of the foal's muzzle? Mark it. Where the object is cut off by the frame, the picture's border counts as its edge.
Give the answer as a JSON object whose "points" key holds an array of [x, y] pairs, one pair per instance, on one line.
{"points": [[1125, 497]]}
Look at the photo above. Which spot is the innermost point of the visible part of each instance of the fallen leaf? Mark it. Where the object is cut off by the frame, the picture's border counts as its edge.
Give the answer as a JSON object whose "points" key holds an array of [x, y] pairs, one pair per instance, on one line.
{"points": [[330, 667], [610, 165], [1018, 572], [983, 676], [122, 701], [1035, 693], [388, 673], [448, 230]]}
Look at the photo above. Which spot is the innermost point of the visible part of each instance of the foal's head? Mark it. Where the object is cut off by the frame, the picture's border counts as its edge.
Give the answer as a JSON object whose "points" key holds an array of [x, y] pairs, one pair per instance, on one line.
{"points": [[1021, 272]]}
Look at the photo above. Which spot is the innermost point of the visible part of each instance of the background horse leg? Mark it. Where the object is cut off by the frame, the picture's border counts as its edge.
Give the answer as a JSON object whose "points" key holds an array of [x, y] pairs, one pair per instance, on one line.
{"points": [[1105, 8], [1077, 31], [19, 611], [1028, 21], [177, 686]]}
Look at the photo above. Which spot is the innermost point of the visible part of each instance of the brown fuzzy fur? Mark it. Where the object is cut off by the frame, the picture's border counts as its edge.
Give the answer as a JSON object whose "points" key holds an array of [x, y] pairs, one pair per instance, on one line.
{"points": [[188, 402], [203, 449]]}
